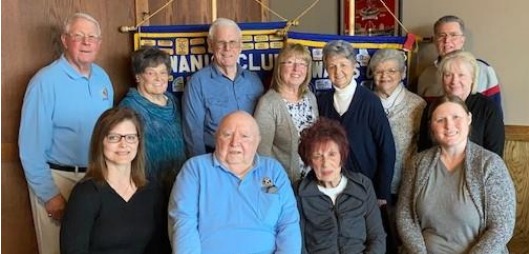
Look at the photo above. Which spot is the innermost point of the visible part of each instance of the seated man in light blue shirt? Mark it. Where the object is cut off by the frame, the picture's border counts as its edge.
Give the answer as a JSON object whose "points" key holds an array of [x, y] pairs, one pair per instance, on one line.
{"points": [[62, 103], [234, 201], [218, 89]]}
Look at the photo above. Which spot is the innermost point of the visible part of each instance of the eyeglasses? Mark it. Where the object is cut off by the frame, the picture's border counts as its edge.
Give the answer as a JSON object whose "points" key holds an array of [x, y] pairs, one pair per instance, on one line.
{"points": [[129, 138], [451, 36], [223, 44], [291, 64], [386, 72], [82, 37]]}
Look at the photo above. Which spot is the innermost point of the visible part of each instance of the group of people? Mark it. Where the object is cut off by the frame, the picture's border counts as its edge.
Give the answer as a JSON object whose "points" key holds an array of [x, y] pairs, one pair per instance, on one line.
{"points": [[235, 169]]}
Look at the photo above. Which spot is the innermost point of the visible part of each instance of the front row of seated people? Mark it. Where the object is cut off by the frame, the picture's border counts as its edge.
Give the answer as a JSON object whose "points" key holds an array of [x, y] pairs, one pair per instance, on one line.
{"points": [[235, 201], [457, 197]]}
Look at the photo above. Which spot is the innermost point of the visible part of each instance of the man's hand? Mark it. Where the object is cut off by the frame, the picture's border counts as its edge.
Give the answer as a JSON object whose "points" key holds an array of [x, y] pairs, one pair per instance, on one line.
{"points": [[55, 207], [381, 202]]}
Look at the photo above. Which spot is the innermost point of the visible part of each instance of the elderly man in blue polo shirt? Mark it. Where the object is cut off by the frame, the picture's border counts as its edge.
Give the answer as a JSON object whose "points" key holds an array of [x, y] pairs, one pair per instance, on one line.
{"points": [[218, 89], [62, 103], [233, 200]]}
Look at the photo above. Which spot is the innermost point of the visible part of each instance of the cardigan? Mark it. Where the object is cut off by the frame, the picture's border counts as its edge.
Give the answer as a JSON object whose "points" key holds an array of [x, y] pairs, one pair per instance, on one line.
{"points": [[490, 187], [279, 135], [372, 148], [405, 120]]}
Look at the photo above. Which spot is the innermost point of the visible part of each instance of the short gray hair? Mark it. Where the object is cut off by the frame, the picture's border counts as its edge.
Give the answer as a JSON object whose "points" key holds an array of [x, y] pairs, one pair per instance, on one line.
{"points": [[222, 22], [449, 19], [339, 48], [383, 55], [80, 15]]}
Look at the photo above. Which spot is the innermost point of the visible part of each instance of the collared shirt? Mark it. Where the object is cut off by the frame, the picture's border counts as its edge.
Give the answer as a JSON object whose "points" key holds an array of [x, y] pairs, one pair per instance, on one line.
{"points": [[208, 97], [211, 210], [59, 112]]}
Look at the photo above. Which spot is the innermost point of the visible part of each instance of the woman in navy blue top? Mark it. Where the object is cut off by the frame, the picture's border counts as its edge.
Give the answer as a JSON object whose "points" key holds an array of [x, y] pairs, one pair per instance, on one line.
{"points": [[372, 148]]}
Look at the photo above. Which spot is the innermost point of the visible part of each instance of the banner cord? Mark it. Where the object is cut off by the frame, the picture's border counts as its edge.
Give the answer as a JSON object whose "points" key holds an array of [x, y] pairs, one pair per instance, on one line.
{"points": [[154, 13]]}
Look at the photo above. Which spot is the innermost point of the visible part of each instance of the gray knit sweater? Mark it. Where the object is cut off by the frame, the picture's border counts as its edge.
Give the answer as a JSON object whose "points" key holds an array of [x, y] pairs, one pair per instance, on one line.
{"points": [[490, 187], [405, 121], [279, 136]]}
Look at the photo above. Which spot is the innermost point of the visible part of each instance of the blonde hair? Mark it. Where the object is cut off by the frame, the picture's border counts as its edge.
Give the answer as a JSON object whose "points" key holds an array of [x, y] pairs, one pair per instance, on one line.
{"points": [[466, 58], [287, 51]]}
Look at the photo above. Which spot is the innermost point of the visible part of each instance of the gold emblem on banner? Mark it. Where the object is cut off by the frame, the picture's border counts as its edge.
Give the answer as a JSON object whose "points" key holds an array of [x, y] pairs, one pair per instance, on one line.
{"points": [[262, 45], [260, 38], [198, 50], [147, 42], [276, 44], [197, 41], [182, 46]]}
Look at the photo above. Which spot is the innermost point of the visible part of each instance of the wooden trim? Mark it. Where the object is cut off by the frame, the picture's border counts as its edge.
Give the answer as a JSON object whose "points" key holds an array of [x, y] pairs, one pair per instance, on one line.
{"points": [[517, 133], [141, 11]]}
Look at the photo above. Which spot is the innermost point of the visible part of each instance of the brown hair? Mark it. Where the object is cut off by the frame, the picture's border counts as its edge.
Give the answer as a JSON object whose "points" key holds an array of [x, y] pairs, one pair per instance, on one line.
{"points": [[292, 49], [97, 167], [322, 131]]}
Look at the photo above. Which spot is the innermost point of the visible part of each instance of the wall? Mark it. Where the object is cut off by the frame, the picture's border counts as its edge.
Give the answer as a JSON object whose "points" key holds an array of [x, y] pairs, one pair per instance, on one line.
{"points": [[30, 31], [29, 42], [322, 18]]}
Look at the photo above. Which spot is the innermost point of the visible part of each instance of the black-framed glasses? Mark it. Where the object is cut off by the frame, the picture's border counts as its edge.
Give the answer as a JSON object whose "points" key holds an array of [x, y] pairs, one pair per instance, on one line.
{"points": [[129, 138]]}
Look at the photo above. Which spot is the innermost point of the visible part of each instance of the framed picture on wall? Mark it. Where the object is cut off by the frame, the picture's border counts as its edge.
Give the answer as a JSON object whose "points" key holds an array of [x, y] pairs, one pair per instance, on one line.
{"points": [[370, 17]]}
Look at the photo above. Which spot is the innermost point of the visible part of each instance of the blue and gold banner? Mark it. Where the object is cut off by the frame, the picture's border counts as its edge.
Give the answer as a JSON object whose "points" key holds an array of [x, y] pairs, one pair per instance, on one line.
{"points": [[188, 48], [365, 47]]}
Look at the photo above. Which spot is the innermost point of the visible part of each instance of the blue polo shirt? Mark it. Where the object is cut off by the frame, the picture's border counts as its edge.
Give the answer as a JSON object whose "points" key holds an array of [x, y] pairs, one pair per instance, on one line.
{"points": [[208, 97], [59, 112], [211, 210]]}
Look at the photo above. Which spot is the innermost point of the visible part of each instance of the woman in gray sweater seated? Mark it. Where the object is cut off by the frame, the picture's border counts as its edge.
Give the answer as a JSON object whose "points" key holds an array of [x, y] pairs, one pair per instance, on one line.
{"points": [[457, 197]]}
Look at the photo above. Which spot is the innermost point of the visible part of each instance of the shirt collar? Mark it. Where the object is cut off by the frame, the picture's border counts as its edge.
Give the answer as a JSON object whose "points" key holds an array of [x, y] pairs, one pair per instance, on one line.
{"points": [[70, 71], [216, 73]]}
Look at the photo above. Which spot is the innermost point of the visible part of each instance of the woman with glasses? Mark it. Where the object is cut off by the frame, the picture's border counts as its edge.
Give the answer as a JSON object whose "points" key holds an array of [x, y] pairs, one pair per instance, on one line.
{"points": [[161, 115], [372, 149], [287, 109], [403, 109], [114, 209]]}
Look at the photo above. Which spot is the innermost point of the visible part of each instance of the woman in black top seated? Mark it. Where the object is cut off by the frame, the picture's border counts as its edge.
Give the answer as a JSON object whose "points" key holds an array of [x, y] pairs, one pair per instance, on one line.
{"points": [[114, 209], [338, 208]]}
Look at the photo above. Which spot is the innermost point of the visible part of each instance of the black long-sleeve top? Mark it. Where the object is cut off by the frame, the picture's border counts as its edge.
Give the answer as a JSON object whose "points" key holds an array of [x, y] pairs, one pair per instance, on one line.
{"points": [[98, 220]]}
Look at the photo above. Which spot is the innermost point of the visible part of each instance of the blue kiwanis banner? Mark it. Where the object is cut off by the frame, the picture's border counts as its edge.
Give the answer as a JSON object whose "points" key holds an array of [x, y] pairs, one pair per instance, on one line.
{"points": [[187, 46], [365, 47]]}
